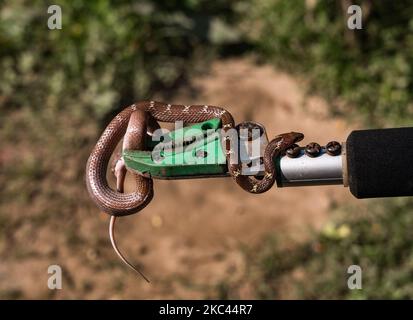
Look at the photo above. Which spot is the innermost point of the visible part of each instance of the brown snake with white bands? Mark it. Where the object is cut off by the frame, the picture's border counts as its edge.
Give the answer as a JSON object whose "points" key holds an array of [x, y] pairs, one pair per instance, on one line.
{"points": [[133, 123]]}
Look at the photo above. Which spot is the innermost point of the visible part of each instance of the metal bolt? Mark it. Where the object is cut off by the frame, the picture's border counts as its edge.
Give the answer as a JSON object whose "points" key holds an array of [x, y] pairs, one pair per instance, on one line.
{"points": [[293, 151], [312, 149], [333, 148]]}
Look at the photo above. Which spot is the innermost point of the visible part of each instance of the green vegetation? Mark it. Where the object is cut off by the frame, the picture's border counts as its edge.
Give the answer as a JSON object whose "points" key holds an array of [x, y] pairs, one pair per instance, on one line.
{"points": [[367, 71], [379, 242]]}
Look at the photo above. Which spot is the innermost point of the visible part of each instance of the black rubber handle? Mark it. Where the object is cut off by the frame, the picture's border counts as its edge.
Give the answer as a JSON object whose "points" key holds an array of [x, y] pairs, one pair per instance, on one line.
{"points": [[380, 163]]}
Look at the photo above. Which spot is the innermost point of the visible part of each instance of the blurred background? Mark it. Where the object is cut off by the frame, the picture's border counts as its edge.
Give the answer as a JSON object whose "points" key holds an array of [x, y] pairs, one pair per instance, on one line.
{"points": [[291, 65]]}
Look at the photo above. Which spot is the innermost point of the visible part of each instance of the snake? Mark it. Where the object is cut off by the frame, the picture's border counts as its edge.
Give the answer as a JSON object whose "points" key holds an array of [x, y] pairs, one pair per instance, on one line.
{"points": [[133, 123]]}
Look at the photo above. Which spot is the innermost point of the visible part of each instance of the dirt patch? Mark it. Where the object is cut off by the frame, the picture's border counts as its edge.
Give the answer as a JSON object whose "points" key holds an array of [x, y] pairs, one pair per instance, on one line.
{"points": [[193, 234]]}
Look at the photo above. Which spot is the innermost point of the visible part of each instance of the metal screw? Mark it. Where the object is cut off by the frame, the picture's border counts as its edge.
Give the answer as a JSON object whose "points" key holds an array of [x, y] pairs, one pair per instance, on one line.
{"points": [[312, 149], [293, 151], [333, 148]]}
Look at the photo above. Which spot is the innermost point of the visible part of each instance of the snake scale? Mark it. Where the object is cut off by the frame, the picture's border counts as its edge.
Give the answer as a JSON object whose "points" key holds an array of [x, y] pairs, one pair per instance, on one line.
{"points": [[133, 123]]}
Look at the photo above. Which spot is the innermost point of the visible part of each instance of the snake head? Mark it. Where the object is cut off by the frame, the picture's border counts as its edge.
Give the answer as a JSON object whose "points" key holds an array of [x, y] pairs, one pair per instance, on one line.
{"points": [[296, 136], [288, 139]]}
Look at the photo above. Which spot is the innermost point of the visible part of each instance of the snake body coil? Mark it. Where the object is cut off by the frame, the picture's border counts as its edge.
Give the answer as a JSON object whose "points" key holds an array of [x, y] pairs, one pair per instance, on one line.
{"points": [[133, 123]]}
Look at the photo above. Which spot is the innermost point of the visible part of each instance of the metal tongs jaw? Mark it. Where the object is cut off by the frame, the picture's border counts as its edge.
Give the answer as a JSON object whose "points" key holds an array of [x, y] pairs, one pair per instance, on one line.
{"points": [[189, 152], [196, 151]]}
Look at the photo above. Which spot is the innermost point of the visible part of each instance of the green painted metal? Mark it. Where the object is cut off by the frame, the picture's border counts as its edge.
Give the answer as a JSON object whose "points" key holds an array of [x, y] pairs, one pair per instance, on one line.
{"points": [[193, 151]]}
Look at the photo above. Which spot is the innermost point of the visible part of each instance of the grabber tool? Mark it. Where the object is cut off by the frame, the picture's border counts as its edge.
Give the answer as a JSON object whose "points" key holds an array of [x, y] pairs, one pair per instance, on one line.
{"points": [[206, 143]]}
